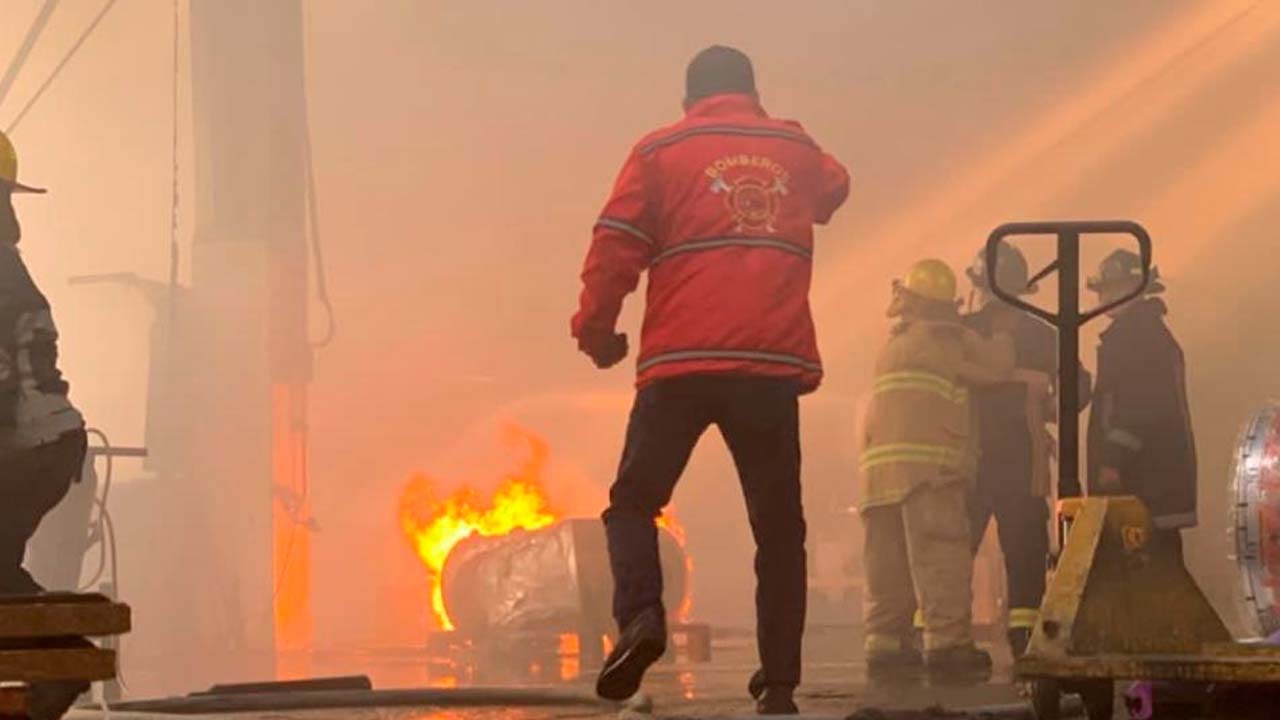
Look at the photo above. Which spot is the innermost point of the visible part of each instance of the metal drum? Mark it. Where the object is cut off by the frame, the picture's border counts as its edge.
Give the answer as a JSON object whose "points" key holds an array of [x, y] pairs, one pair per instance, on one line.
{"points": [[1256, 518], [552, 580]]}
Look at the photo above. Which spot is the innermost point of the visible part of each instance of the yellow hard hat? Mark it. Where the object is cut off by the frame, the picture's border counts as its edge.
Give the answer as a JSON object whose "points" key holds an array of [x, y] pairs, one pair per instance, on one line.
{"points": [[9, 168], [931, 280]]}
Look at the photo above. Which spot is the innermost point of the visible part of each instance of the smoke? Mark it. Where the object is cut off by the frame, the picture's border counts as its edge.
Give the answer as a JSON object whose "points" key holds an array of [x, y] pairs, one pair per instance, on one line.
{"points": [[462, 151]]}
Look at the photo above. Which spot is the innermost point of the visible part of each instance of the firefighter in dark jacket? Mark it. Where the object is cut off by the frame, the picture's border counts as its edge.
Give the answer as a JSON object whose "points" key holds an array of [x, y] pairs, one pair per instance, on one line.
{"points": [[42, 437], [1140, 438], [1013, 480]]}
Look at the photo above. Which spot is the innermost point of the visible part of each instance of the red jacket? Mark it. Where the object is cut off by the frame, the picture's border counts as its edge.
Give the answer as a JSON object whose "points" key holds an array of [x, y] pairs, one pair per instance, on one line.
{"points": [[719, 208]]}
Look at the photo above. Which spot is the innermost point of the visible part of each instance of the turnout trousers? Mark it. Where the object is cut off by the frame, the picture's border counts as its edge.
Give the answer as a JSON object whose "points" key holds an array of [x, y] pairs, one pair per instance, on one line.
{"points": [[759, 420], [917, 556], [32, 482]]}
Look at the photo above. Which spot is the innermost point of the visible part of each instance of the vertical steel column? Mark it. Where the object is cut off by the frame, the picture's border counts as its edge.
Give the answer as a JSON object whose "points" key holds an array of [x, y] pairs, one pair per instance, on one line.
{"points": [[249, 292], [1069, 363]]}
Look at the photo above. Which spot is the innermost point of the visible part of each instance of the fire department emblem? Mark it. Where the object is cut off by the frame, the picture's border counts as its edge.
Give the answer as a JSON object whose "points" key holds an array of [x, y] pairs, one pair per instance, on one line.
{"points": [[753, 187]]}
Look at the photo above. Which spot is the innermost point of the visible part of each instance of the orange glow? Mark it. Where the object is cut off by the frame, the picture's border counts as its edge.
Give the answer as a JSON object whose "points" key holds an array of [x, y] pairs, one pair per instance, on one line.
{"points": [[671, 524], [569, 644], [435, 526], [1192, 50], [444, 681], [688, 685], [291, 536], [570, 652]]}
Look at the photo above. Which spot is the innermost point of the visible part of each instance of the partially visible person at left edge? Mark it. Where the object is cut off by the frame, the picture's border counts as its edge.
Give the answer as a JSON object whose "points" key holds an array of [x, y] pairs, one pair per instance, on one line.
{"points": [[719, 208], [42, 436]]}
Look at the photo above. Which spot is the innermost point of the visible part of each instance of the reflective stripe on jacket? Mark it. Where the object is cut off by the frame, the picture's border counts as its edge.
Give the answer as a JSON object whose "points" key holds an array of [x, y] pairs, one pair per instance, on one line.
{"points": [[34, 408], [919, 427], [719, 210]]}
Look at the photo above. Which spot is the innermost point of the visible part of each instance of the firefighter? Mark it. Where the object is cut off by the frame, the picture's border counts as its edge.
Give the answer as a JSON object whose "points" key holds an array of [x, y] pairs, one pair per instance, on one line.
{"points": [[1013, 481], [1140, 437], [42, 436], [719, 208], [917, 461]]}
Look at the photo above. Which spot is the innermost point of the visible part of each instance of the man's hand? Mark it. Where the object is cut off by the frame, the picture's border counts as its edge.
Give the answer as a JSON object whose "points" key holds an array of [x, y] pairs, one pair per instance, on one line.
{"points": [[606, 350], [1109, 482]]}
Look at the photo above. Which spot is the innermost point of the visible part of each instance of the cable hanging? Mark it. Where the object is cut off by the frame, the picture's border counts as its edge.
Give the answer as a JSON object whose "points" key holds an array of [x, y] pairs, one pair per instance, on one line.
{"points": [[313, 222], [174, 252], [24, 50], [57, 70], [313, 214]]}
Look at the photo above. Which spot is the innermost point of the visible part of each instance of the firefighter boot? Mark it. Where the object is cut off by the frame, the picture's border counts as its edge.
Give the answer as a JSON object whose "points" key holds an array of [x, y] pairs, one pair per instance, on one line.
{"points": [[771, 700], [895, 666], [641, 643], [959, 664], [756, 685], [777, 700]]}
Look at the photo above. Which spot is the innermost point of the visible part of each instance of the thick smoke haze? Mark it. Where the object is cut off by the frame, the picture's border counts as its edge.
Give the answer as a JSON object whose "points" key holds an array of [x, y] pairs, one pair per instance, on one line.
{"points": [[462, 151]]}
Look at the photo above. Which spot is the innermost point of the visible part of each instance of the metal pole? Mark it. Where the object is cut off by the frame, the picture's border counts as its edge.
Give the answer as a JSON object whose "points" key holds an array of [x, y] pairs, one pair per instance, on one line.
{"points": [[20, 57], [249, 296], [1068, 364]]}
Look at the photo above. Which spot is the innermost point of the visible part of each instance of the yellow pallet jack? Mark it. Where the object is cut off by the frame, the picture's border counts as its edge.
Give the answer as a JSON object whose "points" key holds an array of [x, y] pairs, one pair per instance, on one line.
{"points": [[1113, 610]]}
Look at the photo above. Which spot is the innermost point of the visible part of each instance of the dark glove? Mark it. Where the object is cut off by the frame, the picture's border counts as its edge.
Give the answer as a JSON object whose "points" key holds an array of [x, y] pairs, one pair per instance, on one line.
{"points": [[605, 350]]}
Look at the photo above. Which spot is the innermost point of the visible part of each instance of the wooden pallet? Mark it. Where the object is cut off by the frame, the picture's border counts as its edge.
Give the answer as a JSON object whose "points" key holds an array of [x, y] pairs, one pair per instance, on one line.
{"points": [[42, 639]]}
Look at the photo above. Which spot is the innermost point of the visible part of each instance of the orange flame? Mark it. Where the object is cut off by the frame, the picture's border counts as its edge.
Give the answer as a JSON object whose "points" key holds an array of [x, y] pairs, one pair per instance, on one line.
{"points": [[669, 522], [435, 526]]}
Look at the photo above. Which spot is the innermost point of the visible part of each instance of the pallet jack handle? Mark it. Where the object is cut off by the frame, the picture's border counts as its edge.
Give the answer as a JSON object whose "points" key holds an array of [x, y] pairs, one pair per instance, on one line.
{"points": [[1068, 319]]}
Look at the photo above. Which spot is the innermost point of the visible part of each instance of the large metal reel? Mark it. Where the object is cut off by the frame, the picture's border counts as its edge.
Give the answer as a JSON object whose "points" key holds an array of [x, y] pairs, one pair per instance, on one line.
{"points": [[1256, 518]]}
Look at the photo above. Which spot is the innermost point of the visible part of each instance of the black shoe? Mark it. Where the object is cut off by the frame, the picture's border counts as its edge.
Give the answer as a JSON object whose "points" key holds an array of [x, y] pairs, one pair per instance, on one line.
{"points": [[777, 700], [1019, 639], [641, 644], [897, 665], [959, 664], [756, 685]]}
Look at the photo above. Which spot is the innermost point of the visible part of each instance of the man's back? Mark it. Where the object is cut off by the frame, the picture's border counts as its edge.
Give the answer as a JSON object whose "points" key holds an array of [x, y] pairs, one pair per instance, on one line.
{"points": [[720, 209], [1003, 409], [918, 423], [1141, 424]]}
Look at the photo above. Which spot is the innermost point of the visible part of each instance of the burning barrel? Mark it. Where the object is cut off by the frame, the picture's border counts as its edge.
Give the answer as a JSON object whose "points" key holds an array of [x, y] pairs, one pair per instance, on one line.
{"points": [[552, 580]]}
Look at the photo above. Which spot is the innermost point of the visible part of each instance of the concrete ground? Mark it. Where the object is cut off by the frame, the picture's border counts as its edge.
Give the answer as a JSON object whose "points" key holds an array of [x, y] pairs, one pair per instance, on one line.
{"points": [[834, 686]]}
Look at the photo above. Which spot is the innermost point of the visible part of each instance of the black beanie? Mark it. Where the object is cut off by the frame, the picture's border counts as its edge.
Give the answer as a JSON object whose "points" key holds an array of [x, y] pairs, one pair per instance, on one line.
{"points": [[716, 70]]}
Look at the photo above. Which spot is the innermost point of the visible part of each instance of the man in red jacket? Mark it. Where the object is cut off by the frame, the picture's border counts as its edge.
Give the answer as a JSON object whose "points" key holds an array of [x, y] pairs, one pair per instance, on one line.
{"points": [[719, 208]]}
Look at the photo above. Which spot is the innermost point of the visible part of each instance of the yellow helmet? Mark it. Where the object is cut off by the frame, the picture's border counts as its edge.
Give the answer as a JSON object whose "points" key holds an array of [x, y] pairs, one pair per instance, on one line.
{"points": [[9, 168], [931, 280]]}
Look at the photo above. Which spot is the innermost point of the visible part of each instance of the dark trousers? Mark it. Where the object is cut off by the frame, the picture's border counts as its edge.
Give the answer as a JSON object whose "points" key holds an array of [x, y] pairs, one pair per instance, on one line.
{"points": [[759, 420], [1022, 525], [32, 482], [1167, 544]]}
